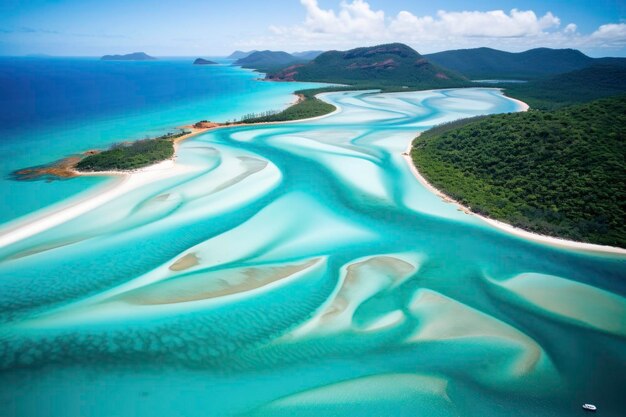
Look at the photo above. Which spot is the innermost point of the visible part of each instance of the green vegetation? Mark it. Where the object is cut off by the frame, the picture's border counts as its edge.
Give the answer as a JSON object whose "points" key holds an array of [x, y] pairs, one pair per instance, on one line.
{"points": [[393, 65], [133, 155], [573, 87], [202, 61], [560, 173], [487, 63], [268, 61], [240, 54], [309, 106]]}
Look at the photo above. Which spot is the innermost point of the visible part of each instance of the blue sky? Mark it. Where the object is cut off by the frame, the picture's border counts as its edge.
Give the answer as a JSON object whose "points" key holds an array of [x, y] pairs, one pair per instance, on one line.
{"points": [[211, 28]]}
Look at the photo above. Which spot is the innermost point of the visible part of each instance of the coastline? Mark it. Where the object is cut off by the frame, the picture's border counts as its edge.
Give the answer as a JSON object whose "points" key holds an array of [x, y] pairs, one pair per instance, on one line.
{"points": [[522, 106], [126, 181], [525, 234], [168, 167], [70, 171]]}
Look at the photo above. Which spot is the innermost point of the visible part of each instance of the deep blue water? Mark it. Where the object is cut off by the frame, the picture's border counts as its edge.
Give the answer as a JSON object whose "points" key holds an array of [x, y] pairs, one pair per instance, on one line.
{"points": [[54, 107]]}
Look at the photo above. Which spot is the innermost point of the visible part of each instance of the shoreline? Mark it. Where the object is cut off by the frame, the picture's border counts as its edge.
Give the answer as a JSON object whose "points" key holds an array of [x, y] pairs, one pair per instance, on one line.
{"points": [[523, 106], [66, 168], [169, 165], [26, 227], [122, 182], [498, 224]]}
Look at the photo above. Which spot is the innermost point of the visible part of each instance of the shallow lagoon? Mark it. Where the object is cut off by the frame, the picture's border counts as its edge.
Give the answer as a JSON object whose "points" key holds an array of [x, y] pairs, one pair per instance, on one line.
{"points": [[300, 269]]}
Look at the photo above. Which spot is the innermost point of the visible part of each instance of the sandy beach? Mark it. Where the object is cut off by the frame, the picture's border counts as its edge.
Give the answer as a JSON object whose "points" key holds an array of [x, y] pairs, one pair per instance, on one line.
{"points": [[136, 178], [550, 240], [127, 181]]}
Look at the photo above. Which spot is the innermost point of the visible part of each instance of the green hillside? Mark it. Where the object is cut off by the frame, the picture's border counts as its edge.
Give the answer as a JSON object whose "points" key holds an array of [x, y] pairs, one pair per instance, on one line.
{"points": [[240, 54], [561, 173], [267, 61], [486, 63], [578, 86], [308, 55], [384, 65]]}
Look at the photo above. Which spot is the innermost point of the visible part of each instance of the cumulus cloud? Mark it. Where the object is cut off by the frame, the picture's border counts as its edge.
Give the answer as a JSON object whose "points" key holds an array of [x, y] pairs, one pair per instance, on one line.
{"points": [[355, 23], [614, 33], [571, 28]]}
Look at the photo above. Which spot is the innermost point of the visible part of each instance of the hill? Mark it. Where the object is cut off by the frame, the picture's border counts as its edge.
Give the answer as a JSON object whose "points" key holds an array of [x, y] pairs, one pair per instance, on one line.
{"points": [[596, 81], [135, 56], [560, 173], [202, 61], [384, 65], [309, 55], [240, 54], [484, 63], [266, 61]]}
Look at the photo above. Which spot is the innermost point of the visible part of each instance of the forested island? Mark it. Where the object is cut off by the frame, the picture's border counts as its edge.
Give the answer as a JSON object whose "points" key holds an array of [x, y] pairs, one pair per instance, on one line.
{"points": [[559, 173]]}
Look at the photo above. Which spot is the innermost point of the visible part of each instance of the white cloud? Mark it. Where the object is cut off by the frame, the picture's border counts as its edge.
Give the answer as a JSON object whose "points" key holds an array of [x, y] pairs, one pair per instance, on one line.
{"points": [[495, 23], [571, 28], [355, 23], [613, 33]]}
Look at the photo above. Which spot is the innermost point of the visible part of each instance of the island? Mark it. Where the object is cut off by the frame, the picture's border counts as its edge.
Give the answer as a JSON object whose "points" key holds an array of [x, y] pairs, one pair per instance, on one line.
{"points": [[269, 61], [135, 56], [474, 161], [202, 61]]}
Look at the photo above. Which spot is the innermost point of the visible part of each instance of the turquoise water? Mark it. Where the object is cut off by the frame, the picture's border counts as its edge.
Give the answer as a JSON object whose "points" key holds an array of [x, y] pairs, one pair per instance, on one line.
{"points": [[300, 269], [55, 107]]}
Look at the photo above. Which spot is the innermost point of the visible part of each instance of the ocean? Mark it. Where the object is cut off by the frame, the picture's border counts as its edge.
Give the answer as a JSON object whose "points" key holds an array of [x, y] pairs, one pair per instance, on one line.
{"points": [[295, 269], [55, 107]]}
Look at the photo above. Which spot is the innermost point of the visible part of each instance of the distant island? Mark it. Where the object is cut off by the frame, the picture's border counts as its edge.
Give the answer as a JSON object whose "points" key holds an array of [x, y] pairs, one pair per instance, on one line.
{"points": [[240, 54], [202, 61], [268, 61], [135, 56]]}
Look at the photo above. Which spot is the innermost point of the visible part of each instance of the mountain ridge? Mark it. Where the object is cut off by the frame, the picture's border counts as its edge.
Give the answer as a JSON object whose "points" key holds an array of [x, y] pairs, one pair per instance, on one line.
{"points": [[387, 64], [481, 63], [267, 60], [240, 54]]}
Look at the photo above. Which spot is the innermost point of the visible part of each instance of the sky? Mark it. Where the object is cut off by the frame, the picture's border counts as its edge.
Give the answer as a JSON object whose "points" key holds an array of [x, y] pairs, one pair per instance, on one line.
{"points": [[215, 28]]}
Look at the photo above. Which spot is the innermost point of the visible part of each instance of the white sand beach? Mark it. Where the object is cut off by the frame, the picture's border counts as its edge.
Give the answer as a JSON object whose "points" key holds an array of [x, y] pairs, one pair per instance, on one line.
{"points": [[550, 240]]}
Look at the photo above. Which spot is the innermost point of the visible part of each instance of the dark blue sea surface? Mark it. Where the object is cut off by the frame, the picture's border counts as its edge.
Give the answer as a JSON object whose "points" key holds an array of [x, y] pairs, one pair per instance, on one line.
{"points": [[55, 107]]}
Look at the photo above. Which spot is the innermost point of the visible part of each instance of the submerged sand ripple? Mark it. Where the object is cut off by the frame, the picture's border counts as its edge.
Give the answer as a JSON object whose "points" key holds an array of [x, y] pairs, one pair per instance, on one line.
{"points": [[300, 269]]}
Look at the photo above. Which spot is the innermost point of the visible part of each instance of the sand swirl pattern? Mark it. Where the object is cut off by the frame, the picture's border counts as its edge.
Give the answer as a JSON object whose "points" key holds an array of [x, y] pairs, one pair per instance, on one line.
{"points": [[300, 269]]}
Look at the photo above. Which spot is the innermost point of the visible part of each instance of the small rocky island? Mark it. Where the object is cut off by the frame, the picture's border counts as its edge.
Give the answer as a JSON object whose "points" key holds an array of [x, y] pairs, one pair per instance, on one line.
{"points": [[135, 56], [202, 61]]}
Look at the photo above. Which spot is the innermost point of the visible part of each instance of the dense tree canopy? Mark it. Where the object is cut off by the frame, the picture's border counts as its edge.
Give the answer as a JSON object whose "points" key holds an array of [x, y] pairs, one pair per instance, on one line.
{"points": [[558, 172], [133, 155]]}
